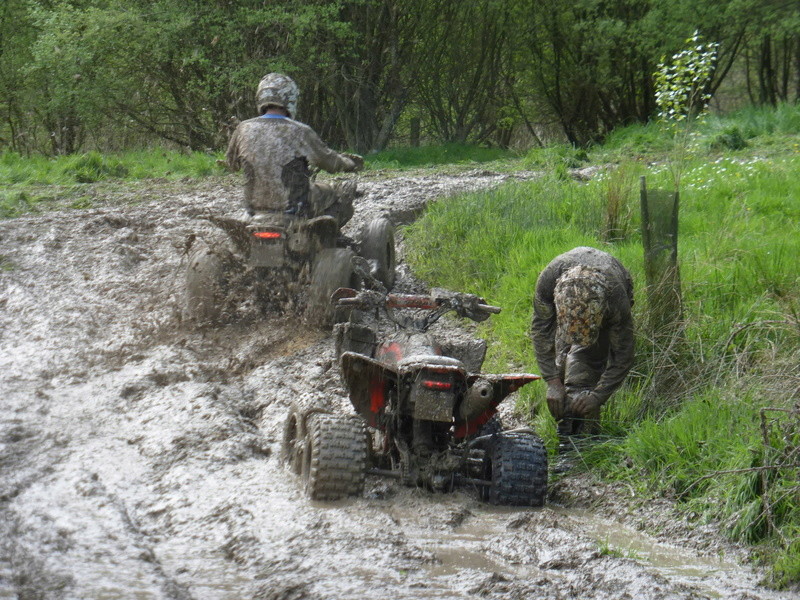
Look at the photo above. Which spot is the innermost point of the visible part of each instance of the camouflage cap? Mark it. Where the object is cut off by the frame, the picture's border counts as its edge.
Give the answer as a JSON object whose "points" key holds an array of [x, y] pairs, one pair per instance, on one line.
{"points": [[278, 90], [580, 300]]}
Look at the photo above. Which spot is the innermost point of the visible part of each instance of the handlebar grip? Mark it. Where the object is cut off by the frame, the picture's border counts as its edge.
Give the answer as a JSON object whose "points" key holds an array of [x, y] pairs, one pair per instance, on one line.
{"points": [[411, 301], [349, 302]]}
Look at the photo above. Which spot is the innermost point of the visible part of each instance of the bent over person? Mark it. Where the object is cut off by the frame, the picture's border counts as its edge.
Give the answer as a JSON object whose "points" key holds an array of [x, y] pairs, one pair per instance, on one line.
{"points": [[276, 153], [582, 332]]}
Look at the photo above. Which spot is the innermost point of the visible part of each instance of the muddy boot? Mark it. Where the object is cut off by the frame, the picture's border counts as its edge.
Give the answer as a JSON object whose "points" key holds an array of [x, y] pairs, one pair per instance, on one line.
{"points": [[334, 200], [564, 434], [566, 450]]}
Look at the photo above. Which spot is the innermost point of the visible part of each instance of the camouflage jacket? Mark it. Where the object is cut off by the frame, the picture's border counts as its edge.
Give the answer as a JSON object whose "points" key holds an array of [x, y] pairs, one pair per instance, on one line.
{"points": [[617, 326], [274, 153]]}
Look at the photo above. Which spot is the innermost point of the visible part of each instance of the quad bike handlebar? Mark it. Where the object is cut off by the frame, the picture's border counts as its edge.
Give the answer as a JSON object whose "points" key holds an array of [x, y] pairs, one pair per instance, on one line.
{"points": [[434, 302], [464, 305]]}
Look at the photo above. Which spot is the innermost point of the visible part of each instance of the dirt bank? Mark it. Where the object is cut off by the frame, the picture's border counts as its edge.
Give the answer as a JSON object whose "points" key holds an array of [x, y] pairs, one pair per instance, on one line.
{"points": [[138, 457]]}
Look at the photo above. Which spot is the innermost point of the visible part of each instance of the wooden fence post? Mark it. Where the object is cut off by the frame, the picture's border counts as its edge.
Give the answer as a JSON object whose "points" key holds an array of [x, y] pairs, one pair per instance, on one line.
{"points": [[415, 129]]}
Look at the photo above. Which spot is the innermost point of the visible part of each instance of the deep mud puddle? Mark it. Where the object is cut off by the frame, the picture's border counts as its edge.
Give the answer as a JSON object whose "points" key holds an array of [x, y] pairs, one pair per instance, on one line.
{"points": [[480, 544], [138, 458]]}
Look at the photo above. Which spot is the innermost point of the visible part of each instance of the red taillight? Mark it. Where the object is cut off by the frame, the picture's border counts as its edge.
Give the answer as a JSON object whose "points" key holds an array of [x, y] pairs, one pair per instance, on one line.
{"points": [[267, 235], [437, 385]]}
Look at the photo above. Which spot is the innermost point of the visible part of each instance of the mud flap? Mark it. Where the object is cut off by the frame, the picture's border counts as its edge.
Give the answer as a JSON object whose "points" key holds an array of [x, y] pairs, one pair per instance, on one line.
{"points": [[368, 382], [323, 230], [378, 248], [332, 270], [353, 337], [206, 283]]}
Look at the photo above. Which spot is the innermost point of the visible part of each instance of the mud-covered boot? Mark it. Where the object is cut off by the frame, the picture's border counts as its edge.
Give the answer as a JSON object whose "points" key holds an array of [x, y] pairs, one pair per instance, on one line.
{"points": [[334, 200], [566, 450], [564, 430]]}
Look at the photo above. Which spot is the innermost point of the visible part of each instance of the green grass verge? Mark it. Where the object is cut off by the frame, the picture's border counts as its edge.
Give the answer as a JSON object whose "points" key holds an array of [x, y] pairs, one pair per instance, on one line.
{"points": [[741, 288], [435, 156], [28, 183]]}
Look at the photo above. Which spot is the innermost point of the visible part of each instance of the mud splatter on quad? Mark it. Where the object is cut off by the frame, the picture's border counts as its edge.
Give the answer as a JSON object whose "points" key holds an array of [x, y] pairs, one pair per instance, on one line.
{"points": [[424, 412], [281, 256]]}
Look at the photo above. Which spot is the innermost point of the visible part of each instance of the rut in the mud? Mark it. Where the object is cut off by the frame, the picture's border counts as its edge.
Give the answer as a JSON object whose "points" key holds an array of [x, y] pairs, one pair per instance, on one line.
{"points": [[138, 457]]}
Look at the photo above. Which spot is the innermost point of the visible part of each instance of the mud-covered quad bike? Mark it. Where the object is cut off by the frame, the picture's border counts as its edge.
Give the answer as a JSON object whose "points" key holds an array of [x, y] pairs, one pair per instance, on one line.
{"points": [[284, 256], [424, 412]]}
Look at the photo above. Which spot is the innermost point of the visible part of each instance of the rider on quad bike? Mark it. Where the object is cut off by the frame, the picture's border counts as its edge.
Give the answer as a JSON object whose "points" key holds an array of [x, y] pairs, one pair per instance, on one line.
{"points": [[275, 152], [290, 235]]}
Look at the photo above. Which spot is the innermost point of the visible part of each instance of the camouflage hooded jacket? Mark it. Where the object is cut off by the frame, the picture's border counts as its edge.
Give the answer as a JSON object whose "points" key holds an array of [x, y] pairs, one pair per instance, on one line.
{"points": [[617, 323], [274, 153]]}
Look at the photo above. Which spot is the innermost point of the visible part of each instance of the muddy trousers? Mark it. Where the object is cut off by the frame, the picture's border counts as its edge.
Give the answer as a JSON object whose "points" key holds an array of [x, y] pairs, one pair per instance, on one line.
{"points": [[580, 368], [334, 200]]}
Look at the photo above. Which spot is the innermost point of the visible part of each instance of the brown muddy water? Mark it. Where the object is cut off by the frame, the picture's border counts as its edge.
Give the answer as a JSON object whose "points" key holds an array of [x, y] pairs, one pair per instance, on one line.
{"points": [[139, 456]]}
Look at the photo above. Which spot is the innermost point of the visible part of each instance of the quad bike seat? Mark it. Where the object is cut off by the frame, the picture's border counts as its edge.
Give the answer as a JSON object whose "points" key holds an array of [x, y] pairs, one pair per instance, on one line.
{"points": [[430, 360]]}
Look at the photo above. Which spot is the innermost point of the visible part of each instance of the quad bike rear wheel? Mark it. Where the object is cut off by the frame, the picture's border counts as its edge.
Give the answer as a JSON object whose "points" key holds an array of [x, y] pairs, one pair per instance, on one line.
{"points": [[335, 456], [377, 246], [205, 284], [492, 427], [516, 465], [293, 442], [332, 270]]}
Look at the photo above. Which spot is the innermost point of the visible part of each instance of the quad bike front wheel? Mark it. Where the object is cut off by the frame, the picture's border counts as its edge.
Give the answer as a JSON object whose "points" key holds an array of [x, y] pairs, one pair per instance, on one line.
{"points": [[377, 246], [332, 270], [294, 441], [516, 465], [334, 457]]}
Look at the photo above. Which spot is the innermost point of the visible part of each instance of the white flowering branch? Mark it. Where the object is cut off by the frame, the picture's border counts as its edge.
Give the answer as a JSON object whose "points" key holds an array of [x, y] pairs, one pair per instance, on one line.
{"points": [[681, 94]]}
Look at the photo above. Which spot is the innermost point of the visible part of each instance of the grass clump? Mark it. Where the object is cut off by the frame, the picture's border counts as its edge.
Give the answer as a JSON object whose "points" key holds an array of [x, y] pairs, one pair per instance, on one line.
{"points": [[430, 156], [22, 178], [557, 159], [6, 264], [93, 166], [730, 138], [14, 204]]}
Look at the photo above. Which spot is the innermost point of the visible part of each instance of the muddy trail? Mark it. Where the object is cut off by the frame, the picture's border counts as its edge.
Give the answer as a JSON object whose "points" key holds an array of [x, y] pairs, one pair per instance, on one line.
{"points": [[139, 456]]}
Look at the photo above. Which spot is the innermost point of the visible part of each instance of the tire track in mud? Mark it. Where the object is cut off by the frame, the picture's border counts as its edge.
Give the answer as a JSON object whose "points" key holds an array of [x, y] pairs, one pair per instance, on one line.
{"points": [[139, 457]]}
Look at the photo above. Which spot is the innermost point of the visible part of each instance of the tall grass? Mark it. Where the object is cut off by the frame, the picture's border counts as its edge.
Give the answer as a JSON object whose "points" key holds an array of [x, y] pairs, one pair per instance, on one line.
{"points": [[27, 182], [769, 129], [738, 251]]}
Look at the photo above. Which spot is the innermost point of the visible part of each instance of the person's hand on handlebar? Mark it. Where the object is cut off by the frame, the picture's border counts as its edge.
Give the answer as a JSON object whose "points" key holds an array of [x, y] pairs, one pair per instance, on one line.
{"points": [[357, 160], [470, 306]]}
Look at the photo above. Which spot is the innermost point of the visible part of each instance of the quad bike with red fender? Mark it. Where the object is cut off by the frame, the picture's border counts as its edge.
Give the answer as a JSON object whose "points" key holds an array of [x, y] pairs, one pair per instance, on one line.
{"points": [[281, 256], [423, 411]]}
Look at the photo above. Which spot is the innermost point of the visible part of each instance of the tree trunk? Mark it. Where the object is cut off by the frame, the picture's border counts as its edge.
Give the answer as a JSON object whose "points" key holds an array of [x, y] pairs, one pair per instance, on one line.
{"points": [[415, 127]]}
